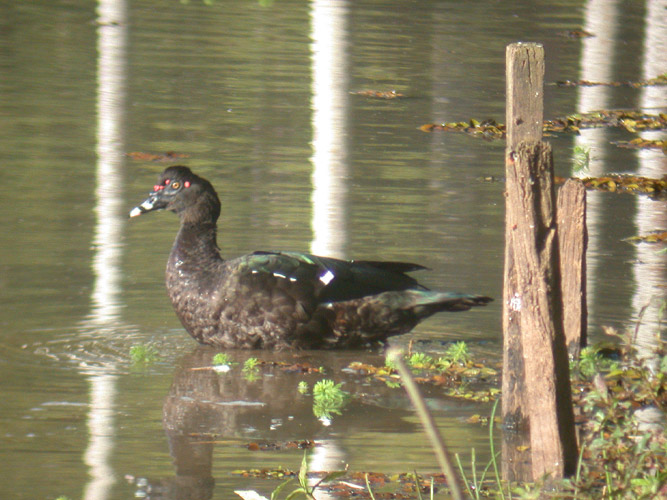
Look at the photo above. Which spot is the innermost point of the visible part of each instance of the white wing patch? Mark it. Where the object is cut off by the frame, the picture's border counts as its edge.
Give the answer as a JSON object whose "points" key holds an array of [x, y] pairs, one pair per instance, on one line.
{"points": [[327, 277]]}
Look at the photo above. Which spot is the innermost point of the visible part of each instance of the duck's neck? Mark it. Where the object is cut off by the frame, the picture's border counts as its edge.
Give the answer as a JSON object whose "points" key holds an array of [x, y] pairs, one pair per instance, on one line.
{"points": [[195, 247], [195, 251]]}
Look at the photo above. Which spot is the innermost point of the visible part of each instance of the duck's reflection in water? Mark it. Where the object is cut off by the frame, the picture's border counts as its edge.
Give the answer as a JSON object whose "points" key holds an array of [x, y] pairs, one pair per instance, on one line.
{"points": [[206, 408]]}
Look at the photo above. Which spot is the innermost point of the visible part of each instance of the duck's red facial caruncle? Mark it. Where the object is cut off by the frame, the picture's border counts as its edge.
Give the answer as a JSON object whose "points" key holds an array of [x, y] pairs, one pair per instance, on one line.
{"points": [[163, 192]]}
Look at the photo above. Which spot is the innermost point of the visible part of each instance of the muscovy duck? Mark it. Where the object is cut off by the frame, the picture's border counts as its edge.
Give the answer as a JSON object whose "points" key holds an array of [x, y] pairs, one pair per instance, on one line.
{"points": [[273, 300]]}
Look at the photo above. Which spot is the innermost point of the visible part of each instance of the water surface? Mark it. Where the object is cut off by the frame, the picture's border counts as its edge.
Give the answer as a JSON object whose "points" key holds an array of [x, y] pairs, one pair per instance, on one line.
{"points": [[259, 98]]}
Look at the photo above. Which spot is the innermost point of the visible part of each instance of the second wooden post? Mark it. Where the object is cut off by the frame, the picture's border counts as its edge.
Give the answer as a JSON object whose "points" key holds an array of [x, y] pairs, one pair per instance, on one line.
{"points": [[538, 421]]}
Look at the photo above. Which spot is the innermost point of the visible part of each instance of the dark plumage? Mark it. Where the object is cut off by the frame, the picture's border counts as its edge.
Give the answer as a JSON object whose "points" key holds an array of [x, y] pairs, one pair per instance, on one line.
{"points": [[281, 299]]}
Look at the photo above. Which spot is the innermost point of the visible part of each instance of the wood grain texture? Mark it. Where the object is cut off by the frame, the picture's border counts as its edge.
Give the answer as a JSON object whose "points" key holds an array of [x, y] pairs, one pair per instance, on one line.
{"points": [[537, 406], [573, 242]]}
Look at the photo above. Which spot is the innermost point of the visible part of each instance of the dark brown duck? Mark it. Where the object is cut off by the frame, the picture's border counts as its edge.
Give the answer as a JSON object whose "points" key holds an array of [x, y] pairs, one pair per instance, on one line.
{"points": [[281, 299]]}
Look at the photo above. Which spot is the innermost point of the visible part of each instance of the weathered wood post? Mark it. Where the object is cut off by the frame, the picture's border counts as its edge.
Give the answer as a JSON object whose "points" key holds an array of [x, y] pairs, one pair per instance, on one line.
{"points": [[539, 436], [572, 243]]}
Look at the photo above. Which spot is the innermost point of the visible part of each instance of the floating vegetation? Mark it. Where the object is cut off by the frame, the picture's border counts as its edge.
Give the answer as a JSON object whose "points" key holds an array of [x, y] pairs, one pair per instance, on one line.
{"points": [[222, 362], [619, 183], [578, 33], [641, 143], [160, 157], [611, 386], [455, 371], [614, 183], [281, 445], [251, 369], [479, 396], [659, 236], [457, 353], [328, 398], [277, 473], [419, 361], [581, 159], [302, 387], [345, 484], [303, 488], [658, 80], [304, 367], [250, 364], [632, 121], [222, 358], [486, 129], [143, 354], [378, 94]]}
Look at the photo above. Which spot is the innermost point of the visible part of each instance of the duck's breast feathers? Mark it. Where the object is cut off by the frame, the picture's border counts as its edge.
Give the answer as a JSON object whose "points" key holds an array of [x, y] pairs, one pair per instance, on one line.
{"points": [[334, 280]]}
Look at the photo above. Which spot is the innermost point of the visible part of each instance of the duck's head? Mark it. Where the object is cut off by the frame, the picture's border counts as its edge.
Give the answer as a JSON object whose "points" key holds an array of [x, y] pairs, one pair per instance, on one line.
{"points": [[178, 189]]}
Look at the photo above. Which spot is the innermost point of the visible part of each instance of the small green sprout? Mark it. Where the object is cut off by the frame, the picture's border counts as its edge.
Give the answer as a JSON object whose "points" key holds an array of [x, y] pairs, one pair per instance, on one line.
{"points": [[581, 159], [458, 353], [420, 360], [222, 362], [143, 353], [251, 369], [328, 398], [442, 364], [222, 358], [302, 388], [591, 362], [251, 364]]}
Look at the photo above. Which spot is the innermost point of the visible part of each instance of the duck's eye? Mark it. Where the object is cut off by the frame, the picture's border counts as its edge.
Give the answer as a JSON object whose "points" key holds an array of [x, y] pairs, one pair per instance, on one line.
{"points": [[175, 185]]}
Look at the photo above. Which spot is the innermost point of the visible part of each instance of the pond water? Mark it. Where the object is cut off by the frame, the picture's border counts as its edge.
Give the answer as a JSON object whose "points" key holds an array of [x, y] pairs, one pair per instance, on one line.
{"points": [[259, 96]]}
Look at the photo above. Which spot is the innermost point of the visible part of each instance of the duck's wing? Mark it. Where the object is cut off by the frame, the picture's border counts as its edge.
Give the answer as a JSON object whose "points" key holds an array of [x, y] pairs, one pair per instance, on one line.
{"points": [[333, 280]]}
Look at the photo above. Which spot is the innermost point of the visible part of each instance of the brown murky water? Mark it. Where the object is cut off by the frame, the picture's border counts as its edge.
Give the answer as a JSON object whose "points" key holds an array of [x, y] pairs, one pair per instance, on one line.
{"points": [[258, 95]]}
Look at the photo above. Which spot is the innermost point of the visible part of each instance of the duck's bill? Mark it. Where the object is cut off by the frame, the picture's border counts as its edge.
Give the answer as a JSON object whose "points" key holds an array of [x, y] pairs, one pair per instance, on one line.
{"points": [[151, 203]]}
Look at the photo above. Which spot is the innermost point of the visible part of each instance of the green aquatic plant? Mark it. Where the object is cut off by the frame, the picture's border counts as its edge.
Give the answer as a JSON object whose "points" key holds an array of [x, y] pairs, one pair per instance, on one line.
{"points": [[328, 390], [328, 398], [251, 369], [222, 358], [591, 361], [302, 388], [143, 353], [456, 353], [419, 360], [251, 364], [581, 159]]}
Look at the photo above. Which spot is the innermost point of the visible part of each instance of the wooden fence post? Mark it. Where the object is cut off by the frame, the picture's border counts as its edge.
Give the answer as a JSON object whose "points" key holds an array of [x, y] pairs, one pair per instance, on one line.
{"points": [[539, 436], [572, 242]]}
